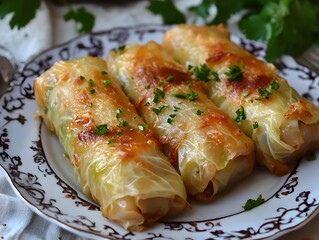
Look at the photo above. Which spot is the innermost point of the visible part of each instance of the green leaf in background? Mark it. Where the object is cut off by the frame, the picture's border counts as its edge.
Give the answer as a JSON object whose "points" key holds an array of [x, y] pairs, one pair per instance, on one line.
{"points": [[81, 16], [202, 10], [167, 10], [287, 26], [23, 11], [225, 8], [255, 27]]}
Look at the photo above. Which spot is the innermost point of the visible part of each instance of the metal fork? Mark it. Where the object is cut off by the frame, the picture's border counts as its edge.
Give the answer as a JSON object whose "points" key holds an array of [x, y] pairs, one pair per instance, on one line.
{"points": [[310, 58]]}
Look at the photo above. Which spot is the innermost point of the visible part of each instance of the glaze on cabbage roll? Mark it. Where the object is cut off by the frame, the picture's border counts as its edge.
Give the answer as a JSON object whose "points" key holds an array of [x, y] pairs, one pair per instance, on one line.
{"points": [[115, 156], [203, 143], [283, 125]]}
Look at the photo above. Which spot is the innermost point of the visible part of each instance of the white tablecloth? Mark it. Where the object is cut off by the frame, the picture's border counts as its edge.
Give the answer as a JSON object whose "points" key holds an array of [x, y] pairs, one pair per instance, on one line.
{"points": [[48, 29]]}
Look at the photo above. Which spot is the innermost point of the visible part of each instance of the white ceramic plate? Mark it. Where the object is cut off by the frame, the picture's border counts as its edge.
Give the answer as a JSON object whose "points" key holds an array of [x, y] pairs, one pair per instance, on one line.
{"points": [[37, 169]]}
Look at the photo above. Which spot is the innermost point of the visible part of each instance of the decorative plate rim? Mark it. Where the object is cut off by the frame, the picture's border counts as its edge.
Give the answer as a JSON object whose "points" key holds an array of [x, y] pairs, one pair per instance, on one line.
{"points": [[17, 90]]}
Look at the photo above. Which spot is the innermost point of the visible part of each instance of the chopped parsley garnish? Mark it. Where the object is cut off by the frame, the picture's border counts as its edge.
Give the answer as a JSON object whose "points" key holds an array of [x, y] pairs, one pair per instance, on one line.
{"points": [[147, 104], [203, 73], [199, 112], [46, 110], [90, 82], [118, 112], [180, 95], [264, 93], [240, 114], [101, 129], [251, 203], [273, 85], [189, 96], [158, 109], [171, 118], [81, 77], [175, 109], [109, 141], [246, 94], [91, 104], [119, 133], [141, 127], [234, 73], [147, 87], [122, 123], [121, 48], [192, 97], [158, 93], [255, 125], [216, 76], [169, 78], [104, 72], [106, 82], [160, 83], [311, 157]]}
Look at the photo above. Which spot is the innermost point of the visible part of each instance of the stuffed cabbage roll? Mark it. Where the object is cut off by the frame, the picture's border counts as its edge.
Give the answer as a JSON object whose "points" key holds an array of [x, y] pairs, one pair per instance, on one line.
{"points": [[283, 125], [203, 143], [115, 157]]}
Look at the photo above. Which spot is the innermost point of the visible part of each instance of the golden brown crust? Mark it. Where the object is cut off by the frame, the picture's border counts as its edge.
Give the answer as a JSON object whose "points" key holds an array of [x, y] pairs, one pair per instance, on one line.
{"points": [[111, 149], [198, 137], [266, 98]]}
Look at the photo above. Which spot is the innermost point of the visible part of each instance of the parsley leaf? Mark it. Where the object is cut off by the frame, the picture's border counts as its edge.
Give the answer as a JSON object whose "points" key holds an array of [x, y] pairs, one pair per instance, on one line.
{"points": [[234, 73], [189, 96], [81, 16], [171, 118], [90, 83], [158, 109], [169, 78], [109, 141], [225, 8], [311, 157], [106, 83], [255, 125], [199, 112], [203, 73], [273, 85], [46, 110], [202, 10], [279, 24], [101, 129], [175, 109], [158, 93], [251, 203], [23, 11], [264, 93], [167, 10], [240, 114]]}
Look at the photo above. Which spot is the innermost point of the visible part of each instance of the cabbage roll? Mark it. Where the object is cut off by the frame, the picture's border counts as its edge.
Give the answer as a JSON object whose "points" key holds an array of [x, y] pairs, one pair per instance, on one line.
{"points": [[115, 156], [283, 125], [202, 142]]}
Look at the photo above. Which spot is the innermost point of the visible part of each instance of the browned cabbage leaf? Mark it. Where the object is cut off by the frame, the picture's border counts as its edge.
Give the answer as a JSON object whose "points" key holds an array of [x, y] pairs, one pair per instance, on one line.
{"points": [[115, 156]]}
